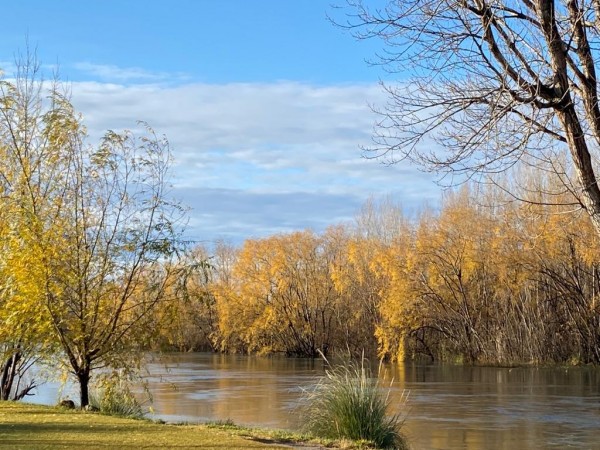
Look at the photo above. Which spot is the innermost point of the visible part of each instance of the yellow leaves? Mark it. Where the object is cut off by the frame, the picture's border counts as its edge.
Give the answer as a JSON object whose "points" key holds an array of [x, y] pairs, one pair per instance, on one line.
{"points": [[21, 303], [282, 296], [345, 274], [443, 283]]}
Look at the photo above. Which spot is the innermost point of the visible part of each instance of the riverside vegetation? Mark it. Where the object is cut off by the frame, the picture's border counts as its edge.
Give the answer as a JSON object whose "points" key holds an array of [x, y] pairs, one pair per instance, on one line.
{"points": [[349, 403], [472, 282], [348, 406]]}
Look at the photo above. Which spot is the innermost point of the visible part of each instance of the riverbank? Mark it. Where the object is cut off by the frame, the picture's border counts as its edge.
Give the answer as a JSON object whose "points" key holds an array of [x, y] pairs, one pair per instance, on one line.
{"points": [[28, 426]]}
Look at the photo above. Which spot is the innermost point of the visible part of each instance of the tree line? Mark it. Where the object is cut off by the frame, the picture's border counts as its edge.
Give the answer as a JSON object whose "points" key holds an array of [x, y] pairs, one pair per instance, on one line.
{"points": [[481, 280]]}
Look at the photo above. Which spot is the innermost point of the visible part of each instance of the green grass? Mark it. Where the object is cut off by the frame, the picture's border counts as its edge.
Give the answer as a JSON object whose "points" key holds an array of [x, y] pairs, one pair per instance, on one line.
{"points": [[26, 426], [350, 403], [294, 439]]}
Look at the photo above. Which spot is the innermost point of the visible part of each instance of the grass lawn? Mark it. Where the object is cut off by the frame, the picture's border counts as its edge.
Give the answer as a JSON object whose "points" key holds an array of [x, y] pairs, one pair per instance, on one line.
{"points": [[26, 426]]}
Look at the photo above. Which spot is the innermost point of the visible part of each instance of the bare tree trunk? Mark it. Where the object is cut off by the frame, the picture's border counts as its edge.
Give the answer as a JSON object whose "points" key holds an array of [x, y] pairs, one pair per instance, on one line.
{"points": [[83, 377], [582, 160], [9, 370]]}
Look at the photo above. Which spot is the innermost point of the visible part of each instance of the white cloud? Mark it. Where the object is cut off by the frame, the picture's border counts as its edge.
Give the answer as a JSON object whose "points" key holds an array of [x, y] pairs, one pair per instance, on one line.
{"points": [[114, 73], [252, 159], [7, 68], [235, 213]]}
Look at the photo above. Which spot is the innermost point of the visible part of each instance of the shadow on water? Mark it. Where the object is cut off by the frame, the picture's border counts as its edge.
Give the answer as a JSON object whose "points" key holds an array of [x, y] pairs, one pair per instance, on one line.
{"points": [[450, 407]]}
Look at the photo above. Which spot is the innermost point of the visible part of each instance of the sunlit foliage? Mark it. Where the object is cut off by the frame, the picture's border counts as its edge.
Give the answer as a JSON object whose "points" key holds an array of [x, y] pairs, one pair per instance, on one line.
{"points": [[481, 280], [87, 236]]}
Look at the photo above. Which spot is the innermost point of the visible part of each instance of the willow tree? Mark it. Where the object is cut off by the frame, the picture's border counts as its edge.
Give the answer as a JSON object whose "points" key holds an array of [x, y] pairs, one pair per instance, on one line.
{"points": [[86, 254], [281, 297], [111, 247], [493, 83], [34, 152]]}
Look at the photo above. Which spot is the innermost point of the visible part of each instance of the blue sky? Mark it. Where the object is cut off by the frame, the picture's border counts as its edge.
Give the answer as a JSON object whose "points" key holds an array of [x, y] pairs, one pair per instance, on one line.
{"points": [[265, 102]]}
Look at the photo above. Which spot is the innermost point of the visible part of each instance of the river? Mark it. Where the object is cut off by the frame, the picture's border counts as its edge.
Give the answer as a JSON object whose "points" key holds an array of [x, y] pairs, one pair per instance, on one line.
{"points": [[449, 407]]}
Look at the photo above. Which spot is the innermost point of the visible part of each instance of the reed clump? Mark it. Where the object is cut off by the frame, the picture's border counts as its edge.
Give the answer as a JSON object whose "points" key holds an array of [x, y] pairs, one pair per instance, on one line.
{"points": [[350, 403]]}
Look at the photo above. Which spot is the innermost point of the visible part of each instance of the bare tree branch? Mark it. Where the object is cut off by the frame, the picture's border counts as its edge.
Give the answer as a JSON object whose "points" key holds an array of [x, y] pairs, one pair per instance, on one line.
{"points": [[495, 83]]}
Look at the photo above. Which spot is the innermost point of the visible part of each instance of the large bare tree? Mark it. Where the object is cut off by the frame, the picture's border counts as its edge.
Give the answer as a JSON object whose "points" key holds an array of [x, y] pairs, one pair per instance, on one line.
{"points": [[495, 82]]}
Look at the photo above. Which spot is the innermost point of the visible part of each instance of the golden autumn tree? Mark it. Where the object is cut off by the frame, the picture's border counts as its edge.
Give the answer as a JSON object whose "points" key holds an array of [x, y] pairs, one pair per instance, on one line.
{"points": [[187, 320], [356, 309], [455, 271], [35, 133], [87, 254], [451, 285], [108, 255], [378, 226], [390, 265], [281, 298], [566, 260], [512, 282]]}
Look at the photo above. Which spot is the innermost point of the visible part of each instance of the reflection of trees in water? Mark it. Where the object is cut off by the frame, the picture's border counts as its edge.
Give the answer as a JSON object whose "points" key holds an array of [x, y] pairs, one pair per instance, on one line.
{"points": [[450, 406], [248, 390]]}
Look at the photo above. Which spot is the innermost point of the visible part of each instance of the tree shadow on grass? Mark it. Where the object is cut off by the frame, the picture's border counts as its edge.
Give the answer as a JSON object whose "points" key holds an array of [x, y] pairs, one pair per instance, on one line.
{"points": [[90, 436]]}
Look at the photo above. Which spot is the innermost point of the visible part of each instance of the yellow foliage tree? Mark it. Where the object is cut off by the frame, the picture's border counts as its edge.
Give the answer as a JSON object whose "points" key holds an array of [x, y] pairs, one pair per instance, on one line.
{"points": [[35, 135], [282, 298], [85, 254]]}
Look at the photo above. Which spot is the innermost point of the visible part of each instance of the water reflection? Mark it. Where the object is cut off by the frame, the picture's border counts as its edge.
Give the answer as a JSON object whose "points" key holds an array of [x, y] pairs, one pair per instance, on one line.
{"points": [[247, 390], [521, 408], [451, 407]]}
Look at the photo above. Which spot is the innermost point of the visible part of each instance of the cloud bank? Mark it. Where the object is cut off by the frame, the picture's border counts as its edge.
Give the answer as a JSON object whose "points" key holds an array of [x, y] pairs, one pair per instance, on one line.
{"points": [[256, 159]]}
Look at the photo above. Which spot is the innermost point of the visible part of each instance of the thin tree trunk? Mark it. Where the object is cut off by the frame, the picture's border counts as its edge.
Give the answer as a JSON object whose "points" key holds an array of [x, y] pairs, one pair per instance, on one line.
{"points": [[8, 374]]}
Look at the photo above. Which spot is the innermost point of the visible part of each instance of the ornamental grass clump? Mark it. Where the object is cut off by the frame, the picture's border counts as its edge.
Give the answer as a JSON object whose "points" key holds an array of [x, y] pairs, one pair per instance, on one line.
{"points": [[348, 403]]}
